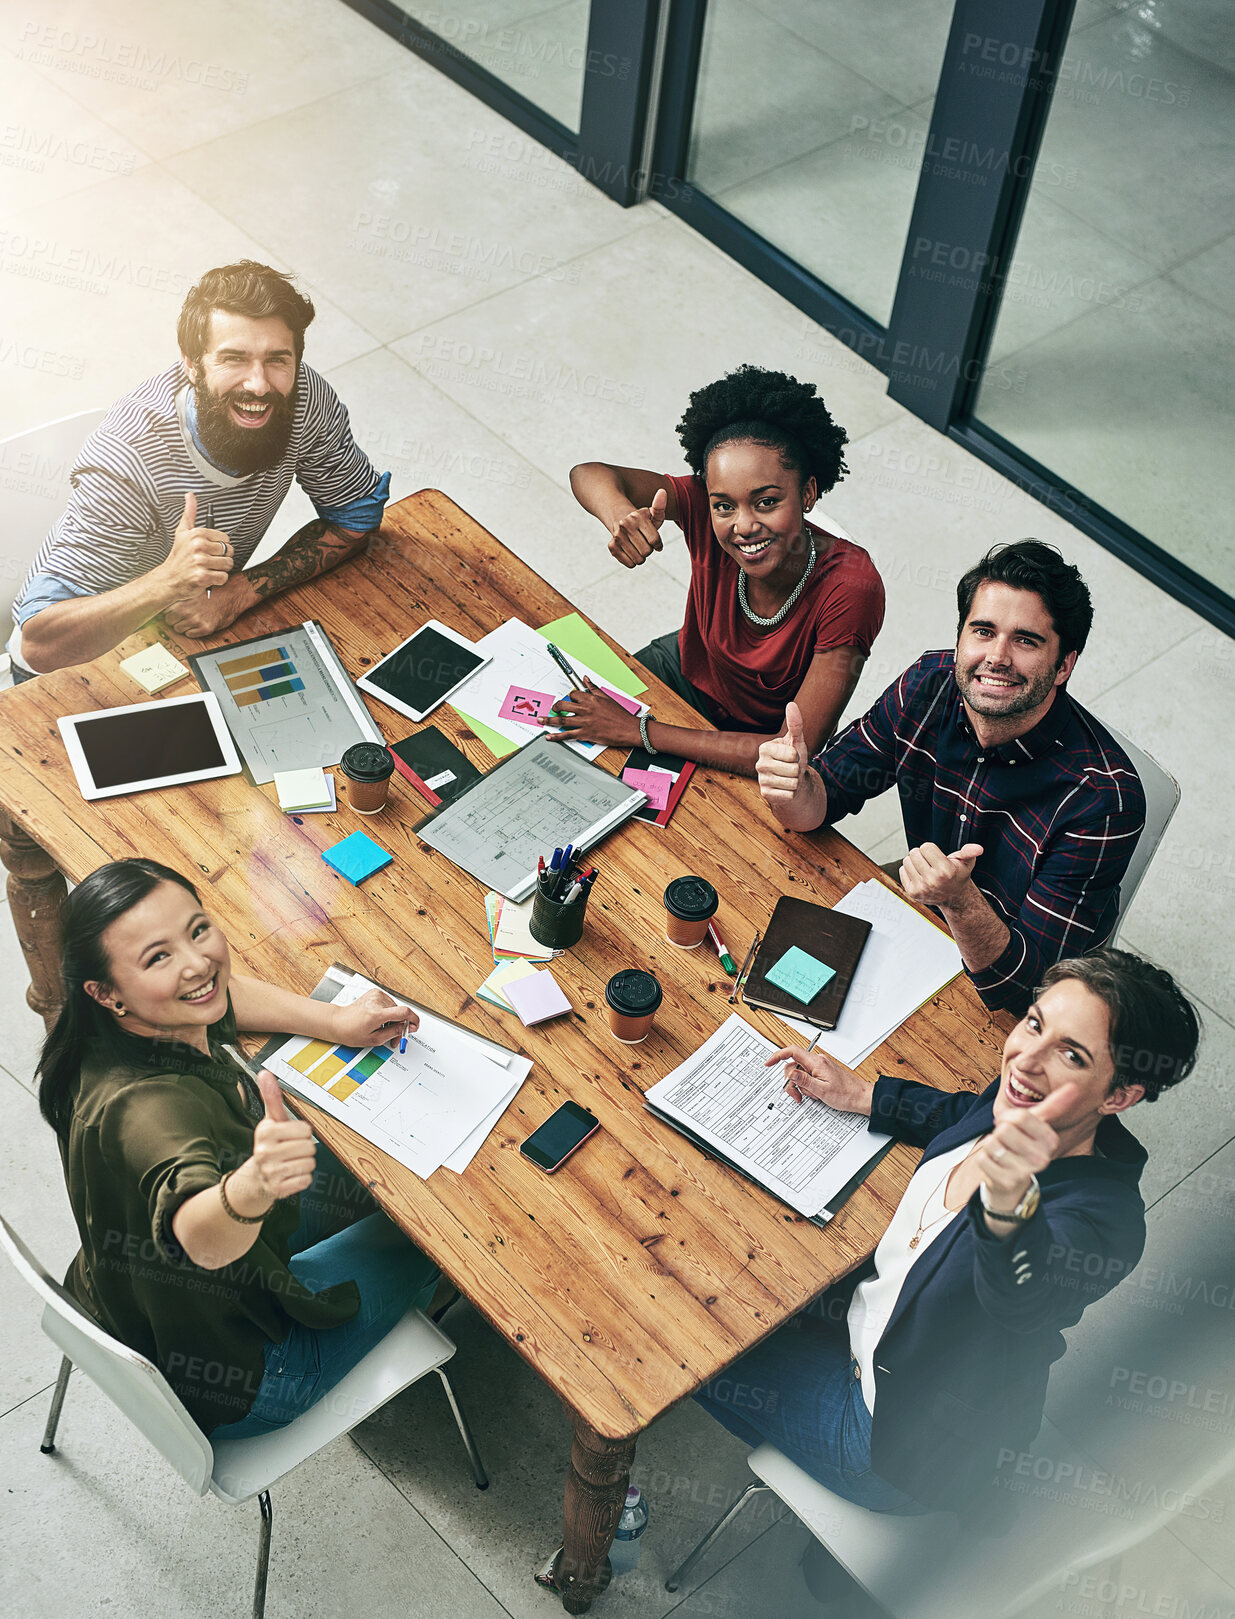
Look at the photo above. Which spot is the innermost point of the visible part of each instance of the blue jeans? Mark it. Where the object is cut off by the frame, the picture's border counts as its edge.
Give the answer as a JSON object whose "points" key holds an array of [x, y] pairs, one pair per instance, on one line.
{"points": [[393, 1277], [799, 1390]]}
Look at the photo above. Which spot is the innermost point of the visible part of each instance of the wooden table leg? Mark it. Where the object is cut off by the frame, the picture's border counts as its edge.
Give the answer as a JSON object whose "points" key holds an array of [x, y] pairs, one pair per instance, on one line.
{"points": [[595, 1495], [37, 892]]}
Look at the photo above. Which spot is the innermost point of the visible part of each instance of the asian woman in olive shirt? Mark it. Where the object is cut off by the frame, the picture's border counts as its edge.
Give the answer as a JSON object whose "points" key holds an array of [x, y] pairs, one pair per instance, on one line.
{"points": [[217, 1240]]}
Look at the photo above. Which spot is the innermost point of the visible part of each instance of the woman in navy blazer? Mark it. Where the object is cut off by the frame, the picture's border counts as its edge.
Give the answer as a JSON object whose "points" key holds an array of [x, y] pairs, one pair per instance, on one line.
{"points": [[900, 1388]]}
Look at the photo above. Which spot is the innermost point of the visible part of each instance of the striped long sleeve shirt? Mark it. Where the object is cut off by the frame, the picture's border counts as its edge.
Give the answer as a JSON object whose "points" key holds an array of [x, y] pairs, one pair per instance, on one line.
{"points": [[130, 480], [1058, 813]]}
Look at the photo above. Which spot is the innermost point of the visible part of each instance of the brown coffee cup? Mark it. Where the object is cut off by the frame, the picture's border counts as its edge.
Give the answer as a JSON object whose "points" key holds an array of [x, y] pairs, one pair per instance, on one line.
{"points": [[690, 904], [632, 997], [366, 769]]}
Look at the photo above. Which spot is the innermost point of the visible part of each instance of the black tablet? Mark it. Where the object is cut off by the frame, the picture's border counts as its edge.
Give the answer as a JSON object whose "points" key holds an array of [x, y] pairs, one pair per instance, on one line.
{"points": [[424, 671]]}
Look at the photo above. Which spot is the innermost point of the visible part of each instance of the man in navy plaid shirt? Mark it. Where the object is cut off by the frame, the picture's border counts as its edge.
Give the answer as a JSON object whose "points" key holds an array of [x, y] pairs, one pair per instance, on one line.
{"points": [[1020, 810]]}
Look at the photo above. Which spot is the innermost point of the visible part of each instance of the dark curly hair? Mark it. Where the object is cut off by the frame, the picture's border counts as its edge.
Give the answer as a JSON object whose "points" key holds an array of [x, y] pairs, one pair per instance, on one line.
{"points": [[1154, 1029], [244, 288], [754, 406], [1034, 565]]}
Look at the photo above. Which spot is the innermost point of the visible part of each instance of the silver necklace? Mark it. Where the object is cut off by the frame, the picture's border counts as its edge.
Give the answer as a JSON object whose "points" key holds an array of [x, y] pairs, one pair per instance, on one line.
{"points": [[768, 623]]}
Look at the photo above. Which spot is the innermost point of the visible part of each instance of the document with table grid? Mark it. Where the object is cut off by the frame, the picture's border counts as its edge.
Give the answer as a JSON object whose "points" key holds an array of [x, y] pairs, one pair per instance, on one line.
{"points": [[802, 1152]]}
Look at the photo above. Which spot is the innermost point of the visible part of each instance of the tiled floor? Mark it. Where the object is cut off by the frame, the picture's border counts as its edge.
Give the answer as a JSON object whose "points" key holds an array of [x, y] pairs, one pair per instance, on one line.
{"points": [[488, 320]]}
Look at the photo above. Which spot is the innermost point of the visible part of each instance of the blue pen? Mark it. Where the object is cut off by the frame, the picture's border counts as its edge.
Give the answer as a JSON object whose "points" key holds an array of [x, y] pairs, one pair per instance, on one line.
{"points": [[403, 1042]]}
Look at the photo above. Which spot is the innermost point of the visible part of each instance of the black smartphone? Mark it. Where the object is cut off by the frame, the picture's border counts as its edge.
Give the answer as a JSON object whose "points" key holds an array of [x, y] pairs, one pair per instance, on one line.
{"points": [[552, 1144]]}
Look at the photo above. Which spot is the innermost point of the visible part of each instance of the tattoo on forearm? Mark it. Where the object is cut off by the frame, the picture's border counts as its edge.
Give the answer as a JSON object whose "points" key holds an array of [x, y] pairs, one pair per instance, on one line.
{"points": [[314, 549]]}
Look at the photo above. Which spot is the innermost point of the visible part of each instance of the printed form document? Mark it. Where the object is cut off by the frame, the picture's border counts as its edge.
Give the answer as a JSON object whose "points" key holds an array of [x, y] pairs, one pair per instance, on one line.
{"points": [[803, 1153]]}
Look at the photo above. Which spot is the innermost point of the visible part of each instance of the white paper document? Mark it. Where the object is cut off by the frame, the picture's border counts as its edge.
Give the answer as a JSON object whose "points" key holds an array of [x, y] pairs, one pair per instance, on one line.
{"points": [[521, 658], [906, 960], [431, 1105], [803, 1153]]}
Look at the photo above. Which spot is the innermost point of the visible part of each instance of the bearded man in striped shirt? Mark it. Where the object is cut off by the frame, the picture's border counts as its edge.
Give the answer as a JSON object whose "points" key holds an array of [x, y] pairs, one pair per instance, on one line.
{"points": [[174, 490], [1021, 811]]}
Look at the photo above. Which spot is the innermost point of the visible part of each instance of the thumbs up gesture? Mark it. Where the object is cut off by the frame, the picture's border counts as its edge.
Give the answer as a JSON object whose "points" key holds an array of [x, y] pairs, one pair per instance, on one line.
{"points": [[200, 558], [637, 535], [790, 788], [1021, 1145], [284, 1151], [931, 877]]}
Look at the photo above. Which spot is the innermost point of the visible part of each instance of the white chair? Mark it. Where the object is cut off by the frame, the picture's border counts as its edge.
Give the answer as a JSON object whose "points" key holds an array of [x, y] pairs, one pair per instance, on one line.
{"points": [[233, 1470], [939, 1567], [1161, 801], [34, 490]]}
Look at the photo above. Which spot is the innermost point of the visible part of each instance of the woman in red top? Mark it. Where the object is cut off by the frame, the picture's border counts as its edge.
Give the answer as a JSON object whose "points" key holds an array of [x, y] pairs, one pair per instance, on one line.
{"points": [[779, 609]]}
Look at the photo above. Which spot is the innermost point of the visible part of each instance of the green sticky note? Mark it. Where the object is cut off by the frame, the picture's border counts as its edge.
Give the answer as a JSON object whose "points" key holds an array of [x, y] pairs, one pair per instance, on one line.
{"points": [[499, 746], [577, 639], [800, 975]]}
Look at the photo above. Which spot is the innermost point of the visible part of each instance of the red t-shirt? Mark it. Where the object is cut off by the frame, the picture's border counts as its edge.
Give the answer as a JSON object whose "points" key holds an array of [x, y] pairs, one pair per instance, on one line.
{"points": [[749, 673]]}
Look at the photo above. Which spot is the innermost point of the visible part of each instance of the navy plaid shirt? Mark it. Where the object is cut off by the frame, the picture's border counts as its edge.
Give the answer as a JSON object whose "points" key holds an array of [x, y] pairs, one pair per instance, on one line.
{"points": [[1057, 811]]}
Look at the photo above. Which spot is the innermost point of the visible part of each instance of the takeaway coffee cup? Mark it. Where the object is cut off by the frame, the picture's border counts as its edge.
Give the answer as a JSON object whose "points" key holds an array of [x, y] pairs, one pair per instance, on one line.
{"points": [[632, 997], [366, 769], [690, 904]]}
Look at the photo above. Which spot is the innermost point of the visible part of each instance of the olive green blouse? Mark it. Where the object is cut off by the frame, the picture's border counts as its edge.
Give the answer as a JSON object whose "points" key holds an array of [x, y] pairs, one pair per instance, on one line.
{"points": [[153, 1123]]}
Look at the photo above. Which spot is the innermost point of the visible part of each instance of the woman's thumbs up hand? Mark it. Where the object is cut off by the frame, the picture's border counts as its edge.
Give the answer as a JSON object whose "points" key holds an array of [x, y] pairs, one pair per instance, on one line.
{"points": [[284, 1151]]}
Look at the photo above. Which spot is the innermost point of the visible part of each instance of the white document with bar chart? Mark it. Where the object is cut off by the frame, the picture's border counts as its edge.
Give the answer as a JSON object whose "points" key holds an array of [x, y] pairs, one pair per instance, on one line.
{"points": [[431, 1105], [724, 1095]]}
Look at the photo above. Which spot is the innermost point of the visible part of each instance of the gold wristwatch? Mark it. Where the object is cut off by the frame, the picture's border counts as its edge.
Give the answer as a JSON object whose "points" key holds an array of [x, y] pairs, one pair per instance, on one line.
{"points": [[1024, 1210]]}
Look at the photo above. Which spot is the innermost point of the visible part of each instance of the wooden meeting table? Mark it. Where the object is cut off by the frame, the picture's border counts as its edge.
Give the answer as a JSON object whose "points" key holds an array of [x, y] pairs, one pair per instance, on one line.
{"points": [[643, 1268]]}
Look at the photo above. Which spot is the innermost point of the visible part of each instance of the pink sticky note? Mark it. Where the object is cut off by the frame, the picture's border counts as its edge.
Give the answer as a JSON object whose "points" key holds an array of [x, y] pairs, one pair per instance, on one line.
{"points": [[526, 707], [536, 997], [630, 704], [655, 783]]}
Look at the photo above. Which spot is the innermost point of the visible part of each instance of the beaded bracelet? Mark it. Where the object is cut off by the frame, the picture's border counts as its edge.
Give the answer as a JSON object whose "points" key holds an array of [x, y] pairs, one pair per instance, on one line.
{"points": [[242, 1219], [643, 732]]}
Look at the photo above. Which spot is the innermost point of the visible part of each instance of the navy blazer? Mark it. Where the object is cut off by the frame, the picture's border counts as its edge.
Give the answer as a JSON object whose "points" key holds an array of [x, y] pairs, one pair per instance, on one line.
{"points": [[962, 1365]]}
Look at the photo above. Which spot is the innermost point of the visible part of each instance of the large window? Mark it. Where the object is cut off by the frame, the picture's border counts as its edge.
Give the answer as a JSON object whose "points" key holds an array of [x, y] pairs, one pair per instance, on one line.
{"points": [[1118, 313], [1022, 210], [538, 50], [811, 118]]}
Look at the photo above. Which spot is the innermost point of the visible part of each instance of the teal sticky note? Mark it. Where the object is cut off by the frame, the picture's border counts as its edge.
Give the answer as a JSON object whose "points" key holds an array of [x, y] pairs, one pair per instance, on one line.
{"points": [[800, 975], [357, 857]]}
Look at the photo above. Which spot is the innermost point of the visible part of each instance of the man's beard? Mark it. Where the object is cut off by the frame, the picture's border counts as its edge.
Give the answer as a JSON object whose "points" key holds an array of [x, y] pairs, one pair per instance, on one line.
{"points": [[1023, 698], [244, 450]]}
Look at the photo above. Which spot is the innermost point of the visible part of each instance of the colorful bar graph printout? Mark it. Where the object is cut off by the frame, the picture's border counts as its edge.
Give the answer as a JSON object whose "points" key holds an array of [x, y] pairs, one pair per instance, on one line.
{"points": [[312, 1053], [370, 1063], [326, 1070], [251, 660], [343, 1088], [259, 676]]}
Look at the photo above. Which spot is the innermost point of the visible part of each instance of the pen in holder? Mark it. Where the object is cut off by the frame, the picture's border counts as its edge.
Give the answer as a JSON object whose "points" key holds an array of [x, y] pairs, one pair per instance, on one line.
{"points": [[557, 923]]}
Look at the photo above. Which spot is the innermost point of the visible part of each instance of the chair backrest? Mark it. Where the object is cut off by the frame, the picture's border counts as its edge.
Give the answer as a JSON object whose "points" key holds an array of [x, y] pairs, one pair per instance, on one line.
{"points": [[128, 1379], [34, 489], [1161, 799]]}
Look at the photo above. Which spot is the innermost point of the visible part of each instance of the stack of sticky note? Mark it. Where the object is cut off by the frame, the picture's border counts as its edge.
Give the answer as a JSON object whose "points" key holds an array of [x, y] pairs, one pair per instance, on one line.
{"points": [[492, 990], [510, 930], [800, 975], [304, 791], [357, 857], [154, 667], [535, 997]]}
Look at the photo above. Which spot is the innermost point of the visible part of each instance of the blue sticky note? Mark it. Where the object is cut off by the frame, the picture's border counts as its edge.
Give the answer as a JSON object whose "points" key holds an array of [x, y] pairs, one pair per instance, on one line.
{"points": [[357, 857], [800, 975]]}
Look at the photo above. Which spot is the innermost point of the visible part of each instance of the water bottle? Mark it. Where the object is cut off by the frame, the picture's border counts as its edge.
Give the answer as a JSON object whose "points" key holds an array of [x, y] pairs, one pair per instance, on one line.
{"points": [[628, 1542]]}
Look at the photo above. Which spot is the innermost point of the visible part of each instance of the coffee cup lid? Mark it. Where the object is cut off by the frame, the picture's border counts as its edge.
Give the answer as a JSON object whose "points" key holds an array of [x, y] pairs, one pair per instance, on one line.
{"points": [[633, 993], [691, 898], [367, 761]]}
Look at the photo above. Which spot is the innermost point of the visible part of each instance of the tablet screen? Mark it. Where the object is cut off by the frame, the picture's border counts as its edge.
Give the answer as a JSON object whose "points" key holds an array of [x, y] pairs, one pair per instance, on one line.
{"points": [[150, 742], [424, 669]]}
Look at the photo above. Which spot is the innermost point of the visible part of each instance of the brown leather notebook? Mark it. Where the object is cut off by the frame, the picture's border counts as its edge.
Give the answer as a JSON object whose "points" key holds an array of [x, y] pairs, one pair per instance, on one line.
{"points": [[830, 936]]}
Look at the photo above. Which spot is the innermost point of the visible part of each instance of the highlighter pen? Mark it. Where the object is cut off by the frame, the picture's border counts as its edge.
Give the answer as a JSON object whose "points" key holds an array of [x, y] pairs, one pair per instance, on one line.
{"points": [[722, 950], [560, 660]]}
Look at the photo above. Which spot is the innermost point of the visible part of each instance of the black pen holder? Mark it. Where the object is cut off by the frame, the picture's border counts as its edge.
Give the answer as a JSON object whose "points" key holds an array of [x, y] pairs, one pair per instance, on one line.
{"points": [[556, 924]]}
